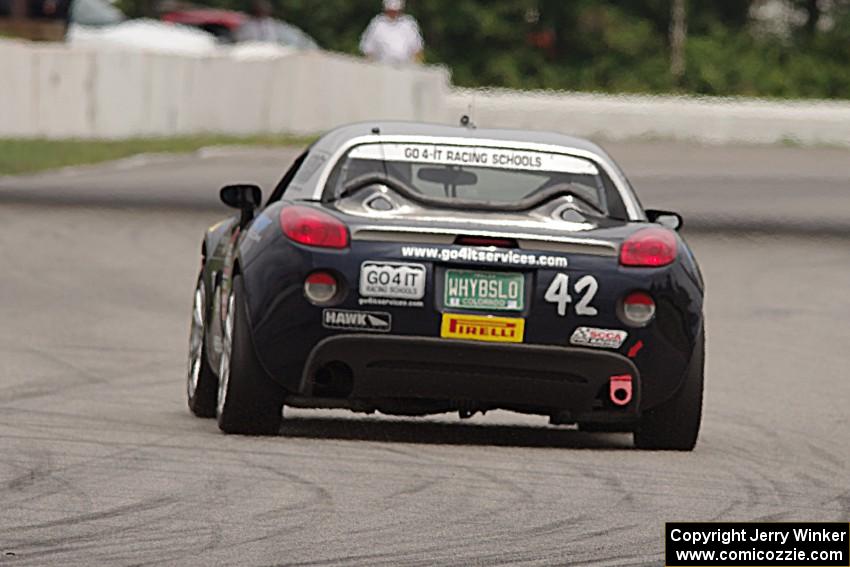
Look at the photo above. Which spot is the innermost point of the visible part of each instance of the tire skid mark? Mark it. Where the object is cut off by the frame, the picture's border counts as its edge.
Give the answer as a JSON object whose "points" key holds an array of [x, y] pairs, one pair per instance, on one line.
{"points": [[119, 452], [402, 527], [710, 487], [291, 517], [320, 497], [419, 486], [394, 557], [586, 539], [726, 511], [106, 548], [826, 457], [772, 517], [624, 561], [225, 450], [843, 501], [556, 527], [72, 525], [788, 441], [87, 423], [613, 483], [527, 498], [74, 520], [27, 480], [40, 481], [611, 479], [116, 512], [516, 492], [17, 393], [763, 490], [138, 523]]}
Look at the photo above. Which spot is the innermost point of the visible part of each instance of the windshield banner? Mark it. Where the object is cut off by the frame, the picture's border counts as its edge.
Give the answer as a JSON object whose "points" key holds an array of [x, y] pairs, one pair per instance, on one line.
{"points": [[474, 156]]}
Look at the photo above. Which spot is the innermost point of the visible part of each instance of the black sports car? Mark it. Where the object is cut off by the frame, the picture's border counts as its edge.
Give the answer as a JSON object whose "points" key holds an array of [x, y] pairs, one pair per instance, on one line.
{"points": [[416, 269]]}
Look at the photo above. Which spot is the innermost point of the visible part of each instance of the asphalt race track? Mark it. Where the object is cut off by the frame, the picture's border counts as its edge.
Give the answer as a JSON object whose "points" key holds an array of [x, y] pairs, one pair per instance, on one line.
{"points": [[101, 462]]}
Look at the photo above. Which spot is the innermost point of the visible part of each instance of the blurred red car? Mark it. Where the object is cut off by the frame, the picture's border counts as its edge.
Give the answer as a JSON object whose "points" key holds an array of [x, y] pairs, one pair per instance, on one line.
{"points": [[221, 23]]}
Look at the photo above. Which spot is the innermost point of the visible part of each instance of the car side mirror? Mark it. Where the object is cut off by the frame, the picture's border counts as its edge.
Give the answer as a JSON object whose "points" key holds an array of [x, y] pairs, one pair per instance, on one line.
{"points": [[667, 219], [247, 198]]}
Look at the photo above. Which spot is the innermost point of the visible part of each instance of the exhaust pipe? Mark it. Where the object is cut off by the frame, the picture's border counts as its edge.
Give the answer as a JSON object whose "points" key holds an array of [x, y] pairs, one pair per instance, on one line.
{"points": [[620, 390]]}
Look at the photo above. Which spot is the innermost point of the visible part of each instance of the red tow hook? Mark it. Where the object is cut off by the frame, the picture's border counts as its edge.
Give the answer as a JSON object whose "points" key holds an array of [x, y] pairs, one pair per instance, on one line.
{"points": [[620, 389]]}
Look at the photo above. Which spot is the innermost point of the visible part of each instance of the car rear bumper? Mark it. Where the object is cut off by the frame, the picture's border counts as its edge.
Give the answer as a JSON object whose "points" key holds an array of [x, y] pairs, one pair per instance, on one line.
{"points": [[543, 379]]}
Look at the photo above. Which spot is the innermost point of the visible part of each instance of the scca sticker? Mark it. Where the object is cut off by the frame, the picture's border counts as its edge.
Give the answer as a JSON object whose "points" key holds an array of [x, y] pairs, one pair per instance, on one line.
{"points": [[479, 328], [598, 338]]}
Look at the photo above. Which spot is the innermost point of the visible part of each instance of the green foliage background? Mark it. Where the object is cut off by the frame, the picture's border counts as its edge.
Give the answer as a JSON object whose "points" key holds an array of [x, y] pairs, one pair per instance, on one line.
{"points": [[600, 45]]}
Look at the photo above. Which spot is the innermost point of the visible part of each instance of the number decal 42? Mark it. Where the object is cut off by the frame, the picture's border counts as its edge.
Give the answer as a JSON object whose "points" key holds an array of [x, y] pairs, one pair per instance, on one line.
{"points": [[559, 294]]}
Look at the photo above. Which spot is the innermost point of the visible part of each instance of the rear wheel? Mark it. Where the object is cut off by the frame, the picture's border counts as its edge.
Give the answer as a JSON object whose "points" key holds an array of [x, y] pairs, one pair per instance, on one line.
{"points": [[248, 403], [201, 382], [674, 425]]}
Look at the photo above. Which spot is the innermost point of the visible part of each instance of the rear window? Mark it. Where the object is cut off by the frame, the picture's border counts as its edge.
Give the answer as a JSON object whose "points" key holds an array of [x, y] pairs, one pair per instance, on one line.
{"points": [[480, 174]]}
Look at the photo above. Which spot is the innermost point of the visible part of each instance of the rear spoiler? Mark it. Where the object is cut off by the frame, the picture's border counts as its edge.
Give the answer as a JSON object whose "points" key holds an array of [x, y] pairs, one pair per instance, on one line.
{"points": [[447, 236]]}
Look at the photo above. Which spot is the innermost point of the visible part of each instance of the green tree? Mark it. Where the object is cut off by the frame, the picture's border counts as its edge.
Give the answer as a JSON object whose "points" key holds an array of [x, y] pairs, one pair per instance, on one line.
{"points": [[598, 45]]}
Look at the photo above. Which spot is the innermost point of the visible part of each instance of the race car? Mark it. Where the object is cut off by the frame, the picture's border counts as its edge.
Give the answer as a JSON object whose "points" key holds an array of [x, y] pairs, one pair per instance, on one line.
{"points": [[414, 269]]}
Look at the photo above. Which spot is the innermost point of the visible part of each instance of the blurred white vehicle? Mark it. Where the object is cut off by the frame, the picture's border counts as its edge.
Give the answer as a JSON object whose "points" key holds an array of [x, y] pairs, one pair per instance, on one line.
{"points": [[144, 35], [257, 51]]}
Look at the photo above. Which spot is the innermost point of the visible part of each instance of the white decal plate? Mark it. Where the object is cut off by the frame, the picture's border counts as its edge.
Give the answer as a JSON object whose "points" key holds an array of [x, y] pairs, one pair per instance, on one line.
{"points": [[496, 158], [342, 319], [598, 338], [392, 280]]}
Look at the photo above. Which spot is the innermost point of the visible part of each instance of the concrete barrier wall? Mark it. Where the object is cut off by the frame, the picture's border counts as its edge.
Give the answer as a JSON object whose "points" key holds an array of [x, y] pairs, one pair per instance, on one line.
{"points": [[705, 119], [56, 91]]}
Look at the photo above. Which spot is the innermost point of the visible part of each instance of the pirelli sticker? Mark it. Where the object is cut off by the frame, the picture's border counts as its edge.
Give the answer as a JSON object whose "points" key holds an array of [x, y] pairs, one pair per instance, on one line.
{"points": [[479, 156], [481, 328]]}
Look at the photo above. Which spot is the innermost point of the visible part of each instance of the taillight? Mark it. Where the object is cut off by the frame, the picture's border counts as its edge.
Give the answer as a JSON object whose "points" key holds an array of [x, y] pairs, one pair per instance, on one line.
{"points": [[320, 287], [650, 247], [638, 309], [312, 227]]}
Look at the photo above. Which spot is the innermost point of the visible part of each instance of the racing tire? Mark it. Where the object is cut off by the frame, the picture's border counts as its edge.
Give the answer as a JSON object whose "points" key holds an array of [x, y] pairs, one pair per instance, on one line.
{"points": [[674, 425], [201, 381], [248, 402]]}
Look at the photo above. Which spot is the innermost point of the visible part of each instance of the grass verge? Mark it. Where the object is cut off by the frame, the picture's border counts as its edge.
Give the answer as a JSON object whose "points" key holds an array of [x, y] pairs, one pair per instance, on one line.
{"points": [[19, 156]]}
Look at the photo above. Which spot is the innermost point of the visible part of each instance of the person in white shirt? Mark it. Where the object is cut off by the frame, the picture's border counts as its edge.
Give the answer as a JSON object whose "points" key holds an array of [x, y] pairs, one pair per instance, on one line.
{"points": [[393, 37]]}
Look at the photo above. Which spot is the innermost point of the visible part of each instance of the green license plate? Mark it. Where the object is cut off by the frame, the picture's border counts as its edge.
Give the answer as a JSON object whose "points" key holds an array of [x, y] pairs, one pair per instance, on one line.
{"points": [[491, 291]]}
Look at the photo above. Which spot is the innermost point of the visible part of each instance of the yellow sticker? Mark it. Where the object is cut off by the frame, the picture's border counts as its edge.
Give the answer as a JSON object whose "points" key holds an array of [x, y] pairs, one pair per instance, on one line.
{"points": [[478, 328]]}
